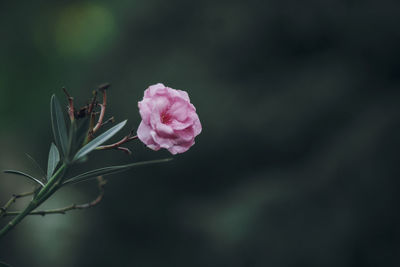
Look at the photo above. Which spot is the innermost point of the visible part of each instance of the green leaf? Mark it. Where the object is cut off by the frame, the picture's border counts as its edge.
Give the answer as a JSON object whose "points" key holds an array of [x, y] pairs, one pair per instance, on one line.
{"points": [[109, 170], [82, 131], [58, 125], [78, 132], [36, 164], [99, 140], [25, 175], [3, 264], [54, 159], [71, 138]]}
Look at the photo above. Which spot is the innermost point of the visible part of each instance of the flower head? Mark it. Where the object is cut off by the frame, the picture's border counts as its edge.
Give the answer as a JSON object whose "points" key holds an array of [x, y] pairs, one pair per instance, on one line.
{"points": [[169, 120]]}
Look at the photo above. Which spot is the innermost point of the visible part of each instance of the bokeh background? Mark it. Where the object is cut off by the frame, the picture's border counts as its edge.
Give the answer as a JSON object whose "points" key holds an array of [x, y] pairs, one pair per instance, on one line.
{"points": [[297, 164]]}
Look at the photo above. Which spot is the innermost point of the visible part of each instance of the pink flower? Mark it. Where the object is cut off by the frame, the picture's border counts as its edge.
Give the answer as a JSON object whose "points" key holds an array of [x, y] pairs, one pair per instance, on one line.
{"points": [[169, 120]]}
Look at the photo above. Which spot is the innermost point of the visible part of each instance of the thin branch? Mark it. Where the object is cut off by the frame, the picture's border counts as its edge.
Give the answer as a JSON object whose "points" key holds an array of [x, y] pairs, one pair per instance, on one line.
{"points": [[93, 104], [92, 115], [124, 149], [118, 144], [104, 86], [3, 210], [96, 201], [89, 136], [109, 120], [71, 111], [115, 145], [102, 112]]}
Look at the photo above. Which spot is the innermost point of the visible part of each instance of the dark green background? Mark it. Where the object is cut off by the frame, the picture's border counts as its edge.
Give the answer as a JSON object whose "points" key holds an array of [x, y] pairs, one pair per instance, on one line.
{"points": [[297, 164]]}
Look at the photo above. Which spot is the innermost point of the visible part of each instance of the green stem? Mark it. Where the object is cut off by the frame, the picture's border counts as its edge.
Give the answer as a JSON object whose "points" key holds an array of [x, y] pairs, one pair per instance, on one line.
{"points": [[43, 194], [101, 184], [56, 176]]}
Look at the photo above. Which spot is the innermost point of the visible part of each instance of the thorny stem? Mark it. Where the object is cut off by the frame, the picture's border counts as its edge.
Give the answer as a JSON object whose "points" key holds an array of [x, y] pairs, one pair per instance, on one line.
{"points": [[96, 201]]}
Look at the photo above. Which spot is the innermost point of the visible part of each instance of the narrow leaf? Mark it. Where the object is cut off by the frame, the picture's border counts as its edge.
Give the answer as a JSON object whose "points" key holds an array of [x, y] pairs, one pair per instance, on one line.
{"points": [[25, 175], [58, 125], [36, 165], [71, 138], [54, 159], [99, 140], [80, 133], [109, 170]]}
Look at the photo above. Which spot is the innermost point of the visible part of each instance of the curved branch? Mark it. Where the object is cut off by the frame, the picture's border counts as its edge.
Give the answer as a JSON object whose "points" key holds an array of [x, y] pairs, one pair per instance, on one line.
{"points": [[3, 210], [96, 201]]}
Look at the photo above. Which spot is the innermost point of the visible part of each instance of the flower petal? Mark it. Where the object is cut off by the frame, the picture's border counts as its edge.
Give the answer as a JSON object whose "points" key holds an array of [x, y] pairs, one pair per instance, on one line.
{"points": [[144, 134], [154, 89], [169, 120]]}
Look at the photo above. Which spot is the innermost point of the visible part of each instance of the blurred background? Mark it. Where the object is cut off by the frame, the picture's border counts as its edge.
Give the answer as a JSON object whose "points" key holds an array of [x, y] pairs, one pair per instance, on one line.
{"points": [[297, 164]]}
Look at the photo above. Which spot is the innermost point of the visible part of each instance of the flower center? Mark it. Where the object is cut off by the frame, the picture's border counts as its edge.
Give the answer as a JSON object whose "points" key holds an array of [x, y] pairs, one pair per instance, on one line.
{"points": [[165, 118]]}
